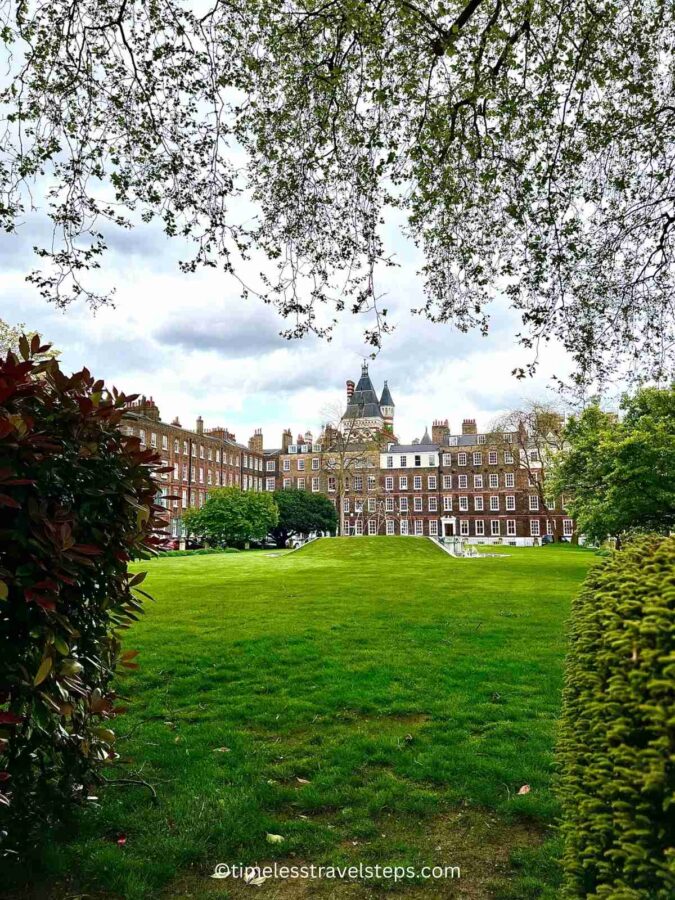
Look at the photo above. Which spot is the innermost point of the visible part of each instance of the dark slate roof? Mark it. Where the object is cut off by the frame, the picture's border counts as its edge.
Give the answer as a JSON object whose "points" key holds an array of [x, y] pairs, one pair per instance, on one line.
{"points": [[364, 403], [413, 448], [385, 399]]}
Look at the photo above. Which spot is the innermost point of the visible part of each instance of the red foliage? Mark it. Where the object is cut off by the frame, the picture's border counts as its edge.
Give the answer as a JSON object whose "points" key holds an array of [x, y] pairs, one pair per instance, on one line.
{"points": [[77, 502]]}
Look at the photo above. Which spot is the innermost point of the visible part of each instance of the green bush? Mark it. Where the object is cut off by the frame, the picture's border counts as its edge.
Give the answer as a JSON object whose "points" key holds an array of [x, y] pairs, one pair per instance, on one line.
{"points": [[77, 502], [617, 742]]}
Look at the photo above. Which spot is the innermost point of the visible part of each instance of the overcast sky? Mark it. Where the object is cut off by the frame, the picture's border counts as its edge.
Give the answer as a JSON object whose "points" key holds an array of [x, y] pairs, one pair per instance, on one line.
{"points": [[194, 345]]}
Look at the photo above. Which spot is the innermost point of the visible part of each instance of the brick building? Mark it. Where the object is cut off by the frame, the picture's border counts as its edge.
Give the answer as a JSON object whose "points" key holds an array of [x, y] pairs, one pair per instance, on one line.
{"points": [[480, 486], [477, 486], [200, 459]]}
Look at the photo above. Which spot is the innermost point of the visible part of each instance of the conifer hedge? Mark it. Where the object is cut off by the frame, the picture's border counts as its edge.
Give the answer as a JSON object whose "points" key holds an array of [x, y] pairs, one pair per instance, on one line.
{"points": [[77, 502], [617, 743]]}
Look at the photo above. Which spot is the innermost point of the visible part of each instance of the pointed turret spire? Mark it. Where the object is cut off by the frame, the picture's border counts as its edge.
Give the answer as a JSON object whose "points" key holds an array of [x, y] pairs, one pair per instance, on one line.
{"points": [[386, 398], [425, 437]]}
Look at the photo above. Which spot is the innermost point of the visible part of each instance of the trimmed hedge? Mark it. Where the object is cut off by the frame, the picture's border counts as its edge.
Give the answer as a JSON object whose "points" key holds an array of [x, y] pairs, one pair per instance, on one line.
{"points": [[77, 502], [617, 742]]}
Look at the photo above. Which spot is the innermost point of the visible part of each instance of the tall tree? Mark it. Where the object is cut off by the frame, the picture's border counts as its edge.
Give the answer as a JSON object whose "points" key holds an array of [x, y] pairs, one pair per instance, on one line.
{"points": [[619, 474], [348, 452], [528, 144], [536, 437], [302, 512], [232, 516]]}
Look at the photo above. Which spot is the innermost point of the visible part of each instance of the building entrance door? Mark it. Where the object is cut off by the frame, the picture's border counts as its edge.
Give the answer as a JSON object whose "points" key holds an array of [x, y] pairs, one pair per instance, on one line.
{"points": [[448, 529]]}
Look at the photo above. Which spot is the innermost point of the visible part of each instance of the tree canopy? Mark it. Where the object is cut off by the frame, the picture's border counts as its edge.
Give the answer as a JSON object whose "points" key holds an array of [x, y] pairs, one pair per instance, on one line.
{"points": [[528, 148], [302, 512], [232, 516], [619, 475]]}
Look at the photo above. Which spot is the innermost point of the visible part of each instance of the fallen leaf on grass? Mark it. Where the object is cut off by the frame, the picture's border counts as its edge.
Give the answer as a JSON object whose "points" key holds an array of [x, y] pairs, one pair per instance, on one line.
{"points": [[525, 789], [221, 749], [274, 838], [256, 880], [302, 780]]}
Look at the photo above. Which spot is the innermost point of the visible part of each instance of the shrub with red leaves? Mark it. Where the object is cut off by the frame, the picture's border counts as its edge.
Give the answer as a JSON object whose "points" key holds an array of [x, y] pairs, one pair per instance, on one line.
{"points": [[77, 503]]}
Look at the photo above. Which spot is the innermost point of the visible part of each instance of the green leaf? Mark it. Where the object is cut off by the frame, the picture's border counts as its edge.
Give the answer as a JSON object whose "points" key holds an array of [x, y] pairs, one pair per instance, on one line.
{"points": [[43, 671]]}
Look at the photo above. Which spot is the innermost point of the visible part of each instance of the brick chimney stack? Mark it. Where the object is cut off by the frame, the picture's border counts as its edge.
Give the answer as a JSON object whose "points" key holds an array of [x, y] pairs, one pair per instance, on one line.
{"points": [[439, 430], [286, 440], [145, 406], [200, 425], [350, 390], [469, 426], [256, 442]]}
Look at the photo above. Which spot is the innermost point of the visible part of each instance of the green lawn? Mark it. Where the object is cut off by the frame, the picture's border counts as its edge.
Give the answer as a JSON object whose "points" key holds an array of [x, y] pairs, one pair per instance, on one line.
{"points": [[412, 693]]}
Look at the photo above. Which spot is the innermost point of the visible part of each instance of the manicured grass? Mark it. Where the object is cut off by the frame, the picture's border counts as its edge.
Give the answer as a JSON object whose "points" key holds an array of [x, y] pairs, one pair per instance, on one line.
{"points": [[413, 694]]}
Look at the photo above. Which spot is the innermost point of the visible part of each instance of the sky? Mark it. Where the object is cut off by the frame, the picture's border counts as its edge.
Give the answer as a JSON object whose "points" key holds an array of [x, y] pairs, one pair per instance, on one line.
{"points": [[192, 343]]}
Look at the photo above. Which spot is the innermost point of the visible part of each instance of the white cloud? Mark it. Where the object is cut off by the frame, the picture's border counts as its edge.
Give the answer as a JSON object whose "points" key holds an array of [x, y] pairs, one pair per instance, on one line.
{"points": [[192, 343]]}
